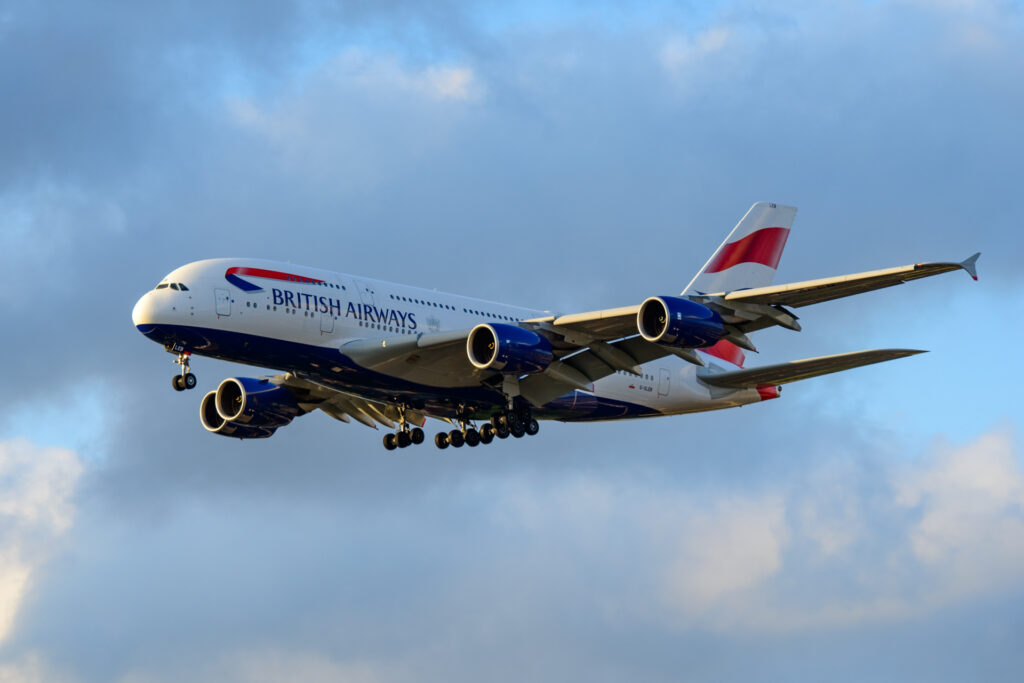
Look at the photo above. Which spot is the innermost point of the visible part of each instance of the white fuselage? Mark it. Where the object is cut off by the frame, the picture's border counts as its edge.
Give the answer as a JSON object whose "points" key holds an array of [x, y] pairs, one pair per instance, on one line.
{"points": [[296, 319]]}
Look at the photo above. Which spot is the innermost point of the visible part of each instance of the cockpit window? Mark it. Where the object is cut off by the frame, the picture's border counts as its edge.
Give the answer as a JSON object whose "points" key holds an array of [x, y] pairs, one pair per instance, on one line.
{"points": [[174, 285], [182, 287], [162, 285]]}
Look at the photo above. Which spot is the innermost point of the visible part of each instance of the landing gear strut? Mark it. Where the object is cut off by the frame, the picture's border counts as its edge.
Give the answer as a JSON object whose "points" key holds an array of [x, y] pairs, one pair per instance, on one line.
{"points": [[186, 380]]}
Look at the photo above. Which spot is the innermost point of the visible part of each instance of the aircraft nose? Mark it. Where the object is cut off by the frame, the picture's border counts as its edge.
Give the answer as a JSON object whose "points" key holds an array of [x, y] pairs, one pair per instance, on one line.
{"points": [[143, 313]]}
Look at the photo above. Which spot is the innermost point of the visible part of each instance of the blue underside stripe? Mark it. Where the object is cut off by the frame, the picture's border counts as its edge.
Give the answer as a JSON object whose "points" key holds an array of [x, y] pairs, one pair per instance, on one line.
{"points": [[318, 362]]}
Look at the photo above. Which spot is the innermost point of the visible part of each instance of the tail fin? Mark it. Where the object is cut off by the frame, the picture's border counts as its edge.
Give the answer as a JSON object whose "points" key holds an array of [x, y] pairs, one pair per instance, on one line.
{"points": [[750, 254]]}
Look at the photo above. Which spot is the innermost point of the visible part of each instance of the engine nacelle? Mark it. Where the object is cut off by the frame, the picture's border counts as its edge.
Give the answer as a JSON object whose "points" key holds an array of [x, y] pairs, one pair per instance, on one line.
{"points": [[256, 402], [213, 422], [678, 322], [508, 349]]}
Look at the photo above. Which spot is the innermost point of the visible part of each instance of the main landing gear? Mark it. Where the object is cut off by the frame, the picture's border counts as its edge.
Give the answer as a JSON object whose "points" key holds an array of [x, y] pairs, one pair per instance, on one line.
{"points": [[516, 423], [186, 380], [404, 436]]}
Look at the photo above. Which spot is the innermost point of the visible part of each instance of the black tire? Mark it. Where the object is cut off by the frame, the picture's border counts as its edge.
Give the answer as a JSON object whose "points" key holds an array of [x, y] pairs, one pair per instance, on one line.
{"points": [[486, 434], [472, 438], [389, 442], [403, 439], [189, 380], [456, 439], [441, 440], [416, 435], [517, 430], [513, 422], [176, 383], [496, 421], [502, 431], [532, 427]]}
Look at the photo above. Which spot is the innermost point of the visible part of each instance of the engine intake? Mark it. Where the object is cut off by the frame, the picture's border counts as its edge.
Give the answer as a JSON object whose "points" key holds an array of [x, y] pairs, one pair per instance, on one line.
{"points": [[508, 349], [674, 321], [256, 402], [213, 422]]}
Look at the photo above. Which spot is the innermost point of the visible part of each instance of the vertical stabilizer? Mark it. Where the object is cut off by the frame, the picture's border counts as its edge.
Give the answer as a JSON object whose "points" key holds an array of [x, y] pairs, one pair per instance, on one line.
{"points": [[750, 254]]}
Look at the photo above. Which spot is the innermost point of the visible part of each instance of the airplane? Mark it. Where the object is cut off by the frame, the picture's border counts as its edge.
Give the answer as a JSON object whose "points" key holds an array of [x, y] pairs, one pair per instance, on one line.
{"points": [[382, 353]]}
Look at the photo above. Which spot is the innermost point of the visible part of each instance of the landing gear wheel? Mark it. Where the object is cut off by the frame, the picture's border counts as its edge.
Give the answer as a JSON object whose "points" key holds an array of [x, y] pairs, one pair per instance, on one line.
{"points": [[517, 430], [456, 439], [416, 435], [502, 431], [177, 383], [532, 427], [441, 440], [497, 420], [389, 442], [472, 438], [188, 380], [403, 439], [486, 434]]}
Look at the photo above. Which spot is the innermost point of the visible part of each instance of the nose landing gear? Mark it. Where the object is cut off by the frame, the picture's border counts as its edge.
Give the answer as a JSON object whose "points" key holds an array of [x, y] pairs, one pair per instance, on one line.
{"points": [[186, 380]]}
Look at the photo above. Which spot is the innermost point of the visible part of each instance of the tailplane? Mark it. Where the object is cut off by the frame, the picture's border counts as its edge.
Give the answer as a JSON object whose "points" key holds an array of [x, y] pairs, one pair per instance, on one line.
{"points": [[750, 254]]}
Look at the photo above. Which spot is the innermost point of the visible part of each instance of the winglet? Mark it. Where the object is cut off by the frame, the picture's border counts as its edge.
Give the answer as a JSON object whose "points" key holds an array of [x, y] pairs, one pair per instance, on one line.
{"points": [[970, 265]]}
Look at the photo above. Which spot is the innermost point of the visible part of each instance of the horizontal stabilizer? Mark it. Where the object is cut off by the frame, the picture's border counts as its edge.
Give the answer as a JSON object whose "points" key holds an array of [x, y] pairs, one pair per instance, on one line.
{"points": [[794, 371]]}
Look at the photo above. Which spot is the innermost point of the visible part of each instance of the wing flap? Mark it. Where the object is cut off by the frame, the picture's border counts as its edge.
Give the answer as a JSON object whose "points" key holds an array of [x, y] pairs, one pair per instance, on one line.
{"points": [[794, 371]]}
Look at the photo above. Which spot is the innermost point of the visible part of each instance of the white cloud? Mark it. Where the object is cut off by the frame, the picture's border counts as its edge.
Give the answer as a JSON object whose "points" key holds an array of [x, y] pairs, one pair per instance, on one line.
{"points": [[451, 82], [971, 505], [837, 546], [360, 118], [267, 665], [41, 226], [681, 52], [725, 550], [386, 75], [36, 489]]}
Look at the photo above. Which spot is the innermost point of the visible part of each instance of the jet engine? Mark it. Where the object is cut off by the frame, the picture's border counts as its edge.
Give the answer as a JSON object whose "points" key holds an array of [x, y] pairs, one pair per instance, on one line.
{"points": [[508, 349], [213, 422], [678, 322], [256, 402]]}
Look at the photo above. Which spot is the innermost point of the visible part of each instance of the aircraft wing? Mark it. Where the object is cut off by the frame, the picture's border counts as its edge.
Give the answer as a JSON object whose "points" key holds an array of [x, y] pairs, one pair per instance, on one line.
{"points": [[437, 359], [440, 359], [343, 406], [592, 345], [794, 371], [826, 289]]}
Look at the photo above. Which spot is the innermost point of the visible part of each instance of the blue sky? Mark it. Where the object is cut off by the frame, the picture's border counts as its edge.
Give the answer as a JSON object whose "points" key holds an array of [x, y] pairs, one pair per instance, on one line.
{"points": [[868, 525]]}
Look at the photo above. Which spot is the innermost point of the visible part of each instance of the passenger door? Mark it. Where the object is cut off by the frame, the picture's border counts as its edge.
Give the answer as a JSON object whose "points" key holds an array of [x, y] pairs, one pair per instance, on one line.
{"points": [[366, 293], [223, 298], [663, 381], [326, 323]]}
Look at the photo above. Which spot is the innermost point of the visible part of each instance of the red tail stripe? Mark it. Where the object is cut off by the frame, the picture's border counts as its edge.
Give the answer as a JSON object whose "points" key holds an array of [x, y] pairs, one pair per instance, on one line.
{"points": [[763, 246], [727, 351]]}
